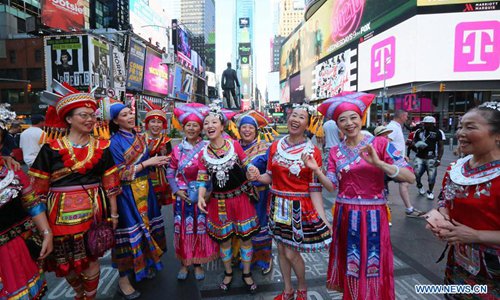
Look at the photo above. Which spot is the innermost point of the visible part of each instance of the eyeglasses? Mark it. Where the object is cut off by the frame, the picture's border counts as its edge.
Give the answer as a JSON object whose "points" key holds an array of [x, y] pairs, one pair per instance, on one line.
{"points": [[87, 116]]}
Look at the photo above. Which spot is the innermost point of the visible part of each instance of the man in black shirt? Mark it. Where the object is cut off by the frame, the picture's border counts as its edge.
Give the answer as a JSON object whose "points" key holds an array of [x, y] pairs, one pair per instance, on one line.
{"points": [[427, 140], [229, 77]]}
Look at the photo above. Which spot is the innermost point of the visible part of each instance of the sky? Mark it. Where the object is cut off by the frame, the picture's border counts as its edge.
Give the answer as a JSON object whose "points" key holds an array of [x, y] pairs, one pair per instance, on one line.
{"points": [[225, 27]]}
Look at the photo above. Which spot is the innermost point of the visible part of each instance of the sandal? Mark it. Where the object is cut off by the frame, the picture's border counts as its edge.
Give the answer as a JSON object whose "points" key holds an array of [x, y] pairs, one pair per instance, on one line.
{"points": [[269, 268], [285, 296], [301, 295], [226, 286], [252, 287]]}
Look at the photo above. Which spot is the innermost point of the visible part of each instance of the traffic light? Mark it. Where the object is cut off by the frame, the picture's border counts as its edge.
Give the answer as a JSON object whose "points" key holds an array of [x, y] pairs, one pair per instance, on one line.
{"points": [[413, 89], [28, 87], [442, 87]]}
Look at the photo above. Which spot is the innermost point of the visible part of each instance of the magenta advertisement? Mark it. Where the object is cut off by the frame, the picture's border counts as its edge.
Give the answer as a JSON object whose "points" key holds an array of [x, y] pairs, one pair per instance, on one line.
{"points": [[411, 103], [155, 74]]}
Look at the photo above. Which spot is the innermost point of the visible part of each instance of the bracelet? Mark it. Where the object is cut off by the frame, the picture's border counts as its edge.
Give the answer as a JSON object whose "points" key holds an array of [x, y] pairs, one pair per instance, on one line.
{"points": [[395, 173], [46, 231], [143, 167], [115, 216]]}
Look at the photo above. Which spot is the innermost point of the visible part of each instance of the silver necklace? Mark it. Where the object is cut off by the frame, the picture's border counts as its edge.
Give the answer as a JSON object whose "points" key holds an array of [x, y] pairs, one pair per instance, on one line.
{"points": [[7, 193], [220, 166], [293, 161]]}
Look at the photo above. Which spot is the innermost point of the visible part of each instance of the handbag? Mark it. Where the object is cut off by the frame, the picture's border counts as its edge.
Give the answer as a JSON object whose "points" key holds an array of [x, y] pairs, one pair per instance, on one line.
{"points": [[34, 244], [192, 189], [100, 237]]}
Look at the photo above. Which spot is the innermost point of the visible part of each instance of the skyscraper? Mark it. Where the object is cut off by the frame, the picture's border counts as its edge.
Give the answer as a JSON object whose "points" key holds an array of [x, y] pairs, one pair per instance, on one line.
{"points": [[244, 46], [199, 17], [291, 13]]}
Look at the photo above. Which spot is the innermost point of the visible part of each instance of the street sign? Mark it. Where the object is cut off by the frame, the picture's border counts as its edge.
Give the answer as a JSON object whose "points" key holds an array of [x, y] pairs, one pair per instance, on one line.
{"points": [[278, 114]]}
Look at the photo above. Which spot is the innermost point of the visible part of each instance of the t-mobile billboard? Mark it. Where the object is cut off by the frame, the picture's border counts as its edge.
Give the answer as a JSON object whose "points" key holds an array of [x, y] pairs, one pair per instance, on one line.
{"points": [[466, 47]]}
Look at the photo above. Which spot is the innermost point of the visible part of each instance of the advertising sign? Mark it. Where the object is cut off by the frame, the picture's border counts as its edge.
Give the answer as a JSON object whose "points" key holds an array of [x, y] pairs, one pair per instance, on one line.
{"points": [[284, 92], [444, 2], [244, 49], [148, 21], [155, 74], [244, 22], [334, 25], [99, 57], [467, 47], [332, 76], [66, 15], [136, 66], [67, 60], [183, 46], [119, 72], [412, 103], [183, 84], [297, 90]]}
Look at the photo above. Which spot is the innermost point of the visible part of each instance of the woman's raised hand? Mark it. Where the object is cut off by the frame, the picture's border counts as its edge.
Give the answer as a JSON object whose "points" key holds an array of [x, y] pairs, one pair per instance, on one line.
{"points": [[157, 161], [370, 155], [309, 161], [202, 205]]}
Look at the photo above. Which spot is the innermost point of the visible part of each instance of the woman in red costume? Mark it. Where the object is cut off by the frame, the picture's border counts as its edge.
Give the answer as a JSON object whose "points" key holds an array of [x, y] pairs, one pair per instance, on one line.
{"points": [[470, 201], [297, 219], [158, 145], [76, 176], [21, 277]]}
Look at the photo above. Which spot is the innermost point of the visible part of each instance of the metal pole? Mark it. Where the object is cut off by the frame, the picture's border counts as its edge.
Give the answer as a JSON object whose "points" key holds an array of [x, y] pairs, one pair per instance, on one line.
{"points": [[384, 96]]}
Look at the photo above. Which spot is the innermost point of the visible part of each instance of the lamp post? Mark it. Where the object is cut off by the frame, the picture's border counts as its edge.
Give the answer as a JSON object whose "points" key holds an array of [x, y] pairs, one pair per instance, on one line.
{"points": [[387, 60]]}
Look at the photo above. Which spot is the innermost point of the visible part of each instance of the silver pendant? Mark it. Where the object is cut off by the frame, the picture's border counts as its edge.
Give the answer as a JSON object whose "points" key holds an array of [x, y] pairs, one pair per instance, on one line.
{"points": [[295, 169], [220, 175]]}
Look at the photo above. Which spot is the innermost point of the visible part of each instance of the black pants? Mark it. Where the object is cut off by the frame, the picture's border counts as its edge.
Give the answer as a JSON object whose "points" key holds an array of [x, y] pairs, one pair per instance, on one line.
{"points": [[233, 93]]}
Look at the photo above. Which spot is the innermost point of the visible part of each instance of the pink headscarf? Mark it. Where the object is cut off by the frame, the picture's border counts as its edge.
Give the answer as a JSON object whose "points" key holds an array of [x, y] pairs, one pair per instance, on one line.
{"points": [[345, 101], [195, 112]]}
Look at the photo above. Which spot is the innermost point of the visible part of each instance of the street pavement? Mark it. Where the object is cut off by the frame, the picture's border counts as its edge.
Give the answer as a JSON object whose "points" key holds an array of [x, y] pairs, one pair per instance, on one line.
{"points": [[415, 253]]}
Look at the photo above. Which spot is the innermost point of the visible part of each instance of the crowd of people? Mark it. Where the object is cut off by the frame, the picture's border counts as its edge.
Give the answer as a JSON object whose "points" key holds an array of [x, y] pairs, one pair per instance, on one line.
{"points": [[233, 194]]}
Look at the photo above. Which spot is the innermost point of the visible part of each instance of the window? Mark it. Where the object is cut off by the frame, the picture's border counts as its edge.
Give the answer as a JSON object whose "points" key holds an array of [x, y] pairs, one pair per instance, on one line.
{"points": [[35, 74], [38, 55], [12, 56]]}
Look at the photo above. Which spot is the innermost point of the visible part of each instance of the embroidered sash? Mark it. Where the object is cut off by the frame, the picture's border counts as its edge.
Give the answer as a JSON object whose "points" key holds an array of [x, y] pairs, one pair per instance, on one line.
{"points": [[373, 243], [353, 244]]}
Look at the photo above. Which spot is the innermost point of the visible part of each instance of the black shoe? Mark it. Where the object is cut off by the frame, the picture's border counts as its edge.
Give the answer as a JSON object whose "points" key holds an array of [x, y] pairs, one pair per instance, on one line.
{"points": [[135, 294], [252, 287], [226, 286]]}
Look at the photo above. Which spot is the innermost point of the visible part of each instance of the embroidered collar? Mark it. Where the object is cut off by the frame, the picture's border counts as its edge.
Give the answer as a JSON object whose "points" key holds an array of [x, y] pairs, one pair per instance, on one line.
{"points": [[220, 166], [293, 160], [461, 173], [69, 158]]}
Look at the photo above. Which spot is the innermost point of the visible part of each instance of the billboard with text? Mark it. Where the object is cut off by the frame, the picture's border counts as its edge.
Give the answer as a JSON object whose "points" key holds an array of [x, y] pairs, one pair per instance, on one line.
{"points": [[155, 74], [136, 66], [66, 15], [467, 47]]}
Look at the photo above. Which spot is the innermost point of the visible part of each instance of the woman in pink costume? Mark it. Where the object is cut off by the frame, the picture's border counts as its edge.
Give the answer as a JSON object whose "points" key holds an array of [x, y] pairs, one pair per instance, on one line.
{"points": [[361, 258]]}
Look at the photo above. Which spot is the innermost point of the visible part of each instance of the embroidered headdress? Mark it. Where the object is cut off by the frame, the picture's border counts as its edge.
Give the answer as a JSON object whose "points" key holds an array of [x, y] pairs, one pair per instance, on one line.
{"points": [[259, 121], [345, 101], [64, 99], [195, 112], [495, 105], [6, 116], [154, 112], [223, 113]]}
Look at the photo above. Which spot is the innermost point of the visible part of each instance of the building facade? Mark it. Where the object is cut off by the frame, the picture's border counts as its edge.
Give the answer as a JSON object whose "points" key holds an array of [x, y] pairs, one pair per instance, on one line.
{"points": [[291, 13], [243, 48], [199, 17]]}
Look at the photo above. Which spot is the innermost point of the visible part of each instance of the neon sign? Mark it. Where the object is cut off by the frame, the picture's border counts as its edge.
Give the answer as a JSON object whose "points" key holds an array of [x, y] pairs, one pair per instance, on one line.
{"points": [[346, 17]]}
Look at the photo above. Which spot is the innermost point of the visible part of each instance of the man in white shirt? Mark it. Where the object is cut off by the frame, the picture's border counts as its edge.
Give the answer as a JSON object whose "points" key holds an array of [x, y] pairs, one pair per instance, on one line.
{"points": [[332, 138], [30, 139], [398, 140]]}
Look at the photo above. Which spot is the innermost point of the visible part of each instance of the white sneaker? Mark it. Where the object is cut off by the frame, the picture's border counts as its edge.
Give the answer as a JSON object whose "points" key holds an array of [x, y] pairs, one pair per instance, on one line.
{"points": [[430, 196], [390, 224], [421, 191]]}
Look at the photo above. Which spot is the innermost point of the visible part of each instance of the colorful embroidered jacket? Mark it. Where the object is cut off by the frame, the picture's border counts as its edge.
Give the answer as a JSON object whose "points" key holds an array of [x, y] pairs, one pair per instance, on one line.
{"points": [[74, 182], [17, 205], [160, 146]]}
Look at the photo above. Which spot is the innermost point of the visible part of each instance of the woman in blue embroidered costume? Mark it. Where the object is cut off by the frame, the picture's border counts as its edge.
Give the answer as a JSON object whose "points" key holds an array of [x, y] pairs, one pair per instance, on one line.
{"points": [[256, 150], [192, 243], [20, 275], [470, 200], [230, 212], [297, 219], [140, 236], [76, 177], [361, 259]]}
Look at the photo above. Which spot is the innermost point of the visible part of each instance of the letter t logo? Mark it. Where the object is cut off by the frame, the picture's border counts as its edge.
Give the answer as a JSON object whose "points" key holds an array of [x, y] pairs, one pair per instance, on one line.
{"points": [[383, 59]]}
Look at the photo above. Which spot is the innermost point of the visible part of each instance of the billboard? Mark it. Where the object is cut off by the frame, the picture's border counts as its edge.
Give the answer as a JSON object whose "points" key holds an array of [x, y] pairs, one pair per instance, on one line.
{"points": [[297, 90], [467, 47], [284, 92], [148, 22], [119, 72], [66, 15], [67, 60], [155, 74], [445, 2], [135, 66], [333, 76], [182, 42], [183, 84], [335, 24], [99, 59]]}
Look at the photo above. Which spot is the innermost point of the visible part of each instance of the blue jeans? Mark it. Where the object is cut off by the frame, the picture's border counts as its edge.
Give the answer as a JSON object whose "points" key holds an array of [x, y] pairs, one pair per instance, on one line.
{"points": [[422, 165]]}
